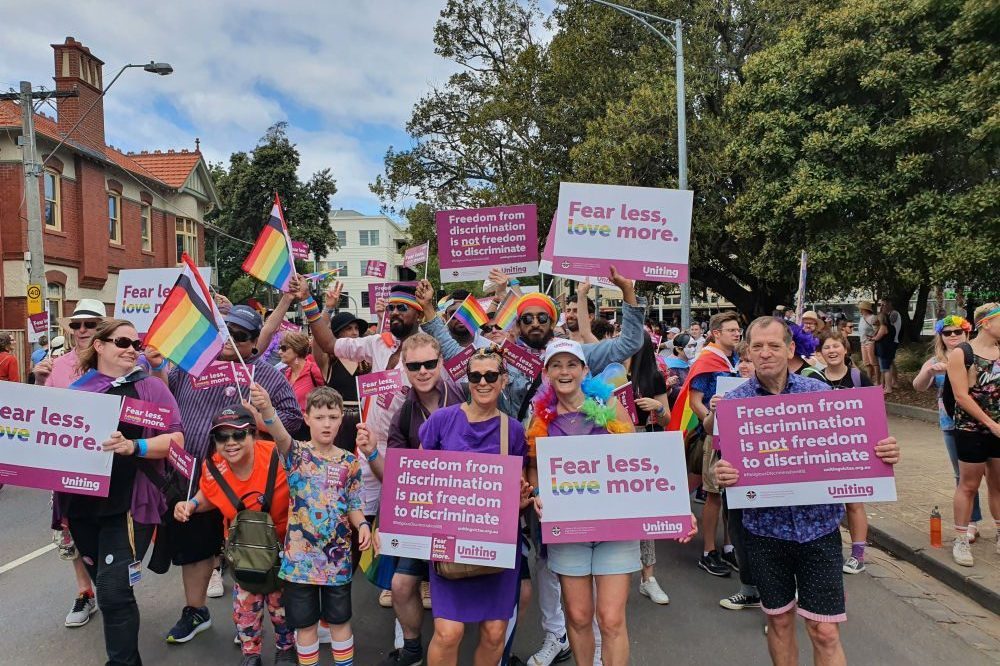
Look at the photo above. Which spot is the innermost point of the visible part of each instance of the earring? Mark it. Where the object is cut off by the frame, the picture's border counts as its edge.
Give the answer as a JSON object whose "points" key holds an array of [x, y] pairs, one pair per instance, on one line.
{"points": [[254, 351]]}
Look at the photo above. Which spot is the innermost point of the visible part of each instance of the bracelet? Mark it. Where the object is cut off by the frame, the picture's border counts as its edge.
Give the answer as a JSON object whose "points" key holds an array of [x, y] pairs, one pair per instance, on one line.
{"points": [[270, 421], [311, 309], [514, 282], [536, 492], [160, 366], [194, 500], [373, 456], [661, 410], [364, 523], [141, 448]]}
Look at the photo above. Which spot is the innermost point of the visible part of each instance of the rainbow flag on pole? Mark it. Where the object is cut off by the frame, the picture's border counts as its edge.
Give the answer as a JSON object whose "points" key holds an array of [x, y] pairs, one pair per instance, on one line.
{"points": [[711, 359], [472, 314], [270, 260], [186, 330], [506, 314]]}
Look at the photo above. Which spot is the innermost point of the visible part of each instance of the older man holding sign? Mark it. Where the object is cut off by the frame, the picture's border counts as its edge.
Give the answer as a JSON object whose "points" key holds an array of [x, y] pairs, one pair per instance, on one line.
{"points": [[793, 549]]}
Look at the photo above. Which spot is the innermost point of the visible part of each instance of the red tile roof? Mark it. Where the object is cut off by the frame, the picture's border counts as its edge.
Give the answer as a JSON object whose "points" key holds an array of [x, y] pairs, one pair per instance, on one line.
{"points": [[170, 168]]}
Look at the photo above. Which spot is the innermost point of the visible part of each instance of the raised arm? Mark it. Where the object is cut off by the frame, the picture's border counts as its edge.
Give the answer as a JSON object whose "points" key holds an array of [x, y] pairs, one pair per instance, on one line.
{"points": [[583, 313], [260, 401], [616, 350], [273, 321], [319, 321]]}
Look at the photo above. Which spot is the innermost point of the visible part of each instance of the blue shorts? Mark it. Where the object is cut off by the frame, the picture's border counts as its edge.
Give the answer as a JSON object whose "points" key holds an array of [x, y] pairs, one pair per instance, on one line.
{"points": [[594, 558]]}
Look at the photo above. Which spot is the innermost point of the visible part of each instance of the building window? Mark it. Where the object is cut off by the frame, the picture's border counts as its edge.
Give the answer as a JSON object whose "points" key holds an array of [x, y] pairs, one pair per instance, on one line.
{"points": [[365, 303], [369, 237], [187, 239], [364, 266], [115, 218], [341, 238], [53, 199], [341, 266], [146, 226], [55, 294]]}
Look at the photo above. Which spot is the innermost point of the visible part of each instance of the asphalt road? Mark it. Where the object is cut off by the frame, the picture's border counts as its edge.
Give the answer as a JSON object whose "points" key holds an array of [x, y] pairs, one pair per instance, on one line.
{"points": [[692, 629]]}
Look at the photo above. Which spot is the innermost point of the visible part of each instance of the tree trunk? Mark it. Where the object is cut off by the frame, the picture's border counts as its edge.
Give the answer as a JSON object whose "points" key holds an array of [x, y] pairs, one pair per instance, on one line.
{"points": [[919, 313], [900, 297]]}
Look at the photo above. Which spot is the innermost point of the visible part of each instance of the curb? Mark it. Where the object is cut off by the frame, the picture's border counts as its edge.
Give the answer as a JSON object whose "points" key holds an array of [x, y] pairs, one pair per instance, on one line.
{"points": [[911, 412], [985, 596]]}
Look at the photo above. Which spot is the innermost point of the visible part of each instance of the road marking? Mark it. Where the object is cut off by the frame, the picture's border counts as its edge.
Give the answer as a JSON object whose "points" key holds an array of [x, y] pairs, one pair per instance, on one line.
{"points": [[26, 558]]}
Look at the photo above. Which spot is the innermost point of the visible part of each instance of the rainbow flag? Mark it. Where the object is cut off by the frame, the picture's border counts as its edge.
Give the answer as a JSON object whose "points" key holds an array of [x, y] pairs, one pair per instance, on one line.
{"points": [[270, 260], [472, 314], [186, 330], [711, 359], [506, 314]]}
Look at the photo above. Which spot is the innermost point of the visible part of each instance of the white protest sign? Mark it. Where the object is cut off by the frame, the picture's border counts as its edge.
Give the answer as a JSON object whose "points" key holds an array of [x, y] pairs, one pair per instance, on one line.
{"points": [[142, 291]]}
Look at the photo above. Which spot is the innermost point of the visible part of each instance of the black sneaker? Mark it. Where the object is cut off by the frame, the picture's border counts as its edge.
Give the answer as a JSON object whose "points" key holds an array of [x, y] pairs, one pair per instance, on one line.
{"points": [[252, 660], [730, 559], [193, 621], [288, 656], [400, 657], [739, 601], [714, 565]]}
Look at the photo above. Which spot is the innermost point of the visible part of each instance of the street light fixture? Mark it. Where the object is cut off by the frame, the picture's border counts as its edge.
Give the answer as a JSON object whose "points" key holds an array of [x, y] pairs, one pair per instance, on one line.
{"points": [[677, 46]]}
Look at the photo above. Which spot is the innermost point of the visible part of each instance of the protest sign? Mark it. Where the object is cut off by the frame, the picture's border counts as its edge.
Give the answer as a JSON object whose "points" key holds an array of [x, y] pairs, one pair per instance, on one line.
{"points": [[374, 384], [286, 325], [806, 448], [644, 232], [38, 324], [625, 396], [300, 249], [471, 242], [147, 414], [415, 256], [51, 439], [525, 362], [723, 385], [375, 268], [545, 266], [451, 506], [220, 373], [613, 487], [377, 290], [457, 365], [142, 291], [181, 460]]}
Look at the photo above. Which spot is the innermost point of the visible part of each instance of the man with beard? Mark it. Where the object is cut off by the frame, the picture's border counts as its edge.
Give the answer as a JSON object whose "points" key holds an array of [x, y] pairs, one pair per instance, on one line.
{"points": [[462, 335], [572, 311]]}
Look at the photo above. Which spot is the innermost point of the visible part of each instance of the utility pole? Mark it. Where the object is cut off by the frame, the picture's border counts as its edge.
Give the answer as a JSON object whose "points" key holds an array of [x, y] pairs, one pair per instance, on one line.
{"points": [[682, 159]]}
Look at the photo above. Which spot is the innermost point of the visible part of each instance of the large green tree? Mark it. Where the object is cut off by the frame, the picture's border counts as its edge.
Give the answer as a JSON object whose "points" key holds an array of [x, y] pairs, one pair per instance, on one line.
{"points": [[246, 189]]}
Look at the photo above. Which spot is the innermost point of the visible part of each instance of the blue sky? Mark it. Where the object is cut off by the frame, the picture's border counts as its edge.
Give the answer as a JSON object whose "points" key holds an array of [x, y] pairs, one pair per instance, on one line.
{"points": [[343, 74]]}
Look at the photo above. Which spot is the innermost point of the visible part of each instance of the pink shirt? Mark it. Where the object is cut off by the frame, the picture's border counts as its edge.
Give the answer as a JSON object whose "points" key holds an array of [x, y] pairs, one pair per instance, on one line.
{"points": [[64, 371], [308, 379]]}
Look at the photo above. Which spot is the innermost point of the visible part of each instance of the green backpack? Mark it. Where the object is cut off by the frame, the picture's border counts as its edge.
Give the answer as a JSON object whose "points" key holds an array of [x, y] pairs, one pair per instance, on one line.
{"points": [[252, 548]]}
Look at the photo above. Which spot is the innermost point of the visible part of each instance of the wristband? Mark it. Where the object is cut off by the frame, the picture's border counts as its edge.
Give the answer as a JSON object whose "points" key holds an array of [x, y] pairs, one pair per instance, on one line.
{"points": [[661, 410], [194, 500], [535, 493], [514, 282], [160, 366], [141, 447], [311, 309], [373, 456], [364, 523], [271, 420]]}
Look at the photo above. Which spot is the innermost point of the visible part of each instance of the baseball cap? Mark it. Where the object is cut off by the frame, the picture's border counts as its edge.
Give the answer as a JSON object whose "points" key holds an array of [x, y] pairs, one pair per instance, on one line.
{"points": [[563, 346], [237, 417], [674, 330], [245, 317]]}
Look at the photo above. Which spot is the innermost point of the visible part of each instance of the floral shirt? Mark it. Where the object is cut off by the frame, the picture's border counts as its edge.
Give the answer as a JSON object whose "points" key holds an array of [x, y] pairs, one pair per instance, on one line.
{"points": [[985, 391], [789, 523], [321, 493]]}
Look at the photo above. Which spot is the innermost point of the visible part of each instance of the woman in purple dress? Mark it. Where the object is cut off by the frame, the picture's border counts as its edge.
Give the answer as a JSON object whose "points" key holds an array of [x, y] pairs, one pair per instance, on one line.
{"points": [[474, 426]]}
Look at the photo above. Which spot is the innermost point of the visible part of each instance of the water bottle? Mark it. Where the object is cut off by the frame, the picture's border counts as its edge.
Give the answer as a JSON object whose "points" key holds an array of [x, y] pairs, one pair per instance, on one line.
{"points": [[935, 528]]}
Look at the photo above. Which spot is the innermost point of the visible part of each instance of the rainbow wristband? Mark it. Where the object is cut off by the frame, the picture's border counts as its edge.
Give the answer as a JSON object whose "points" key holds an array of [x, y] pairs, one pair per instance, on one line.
{"points": [[310, 308]]}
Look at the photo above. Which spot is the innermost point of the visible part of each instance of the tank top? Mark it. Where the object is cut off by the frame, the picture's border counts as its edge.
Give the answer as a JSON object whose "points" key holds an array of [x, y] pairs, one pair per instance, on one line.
{"points": [[985, 390]]}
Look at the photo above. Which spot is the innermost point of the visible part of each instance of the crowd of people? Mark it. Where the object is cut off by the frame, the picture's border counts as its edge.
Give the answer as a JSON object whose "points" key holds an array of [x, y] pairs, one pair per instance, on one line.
{"points": [[289, 445]]}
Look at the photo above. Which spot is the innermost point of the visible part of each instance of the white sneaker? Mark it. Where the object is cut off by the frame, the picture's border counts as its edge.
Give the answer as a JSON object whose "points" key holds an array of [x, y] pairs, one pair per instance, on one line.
{"points": [[215, 587], [83, 607], [961, 552], [323, 631], [553, 651], [853, 565], [973, 532], [397, 640], [650, 588]]}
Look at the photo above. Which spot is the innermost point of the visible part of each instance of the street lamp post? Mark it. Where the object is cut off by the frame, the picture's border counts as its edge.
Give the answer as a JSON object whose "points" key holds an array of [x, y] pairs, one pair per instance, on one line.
{"points": [[677, 45]]}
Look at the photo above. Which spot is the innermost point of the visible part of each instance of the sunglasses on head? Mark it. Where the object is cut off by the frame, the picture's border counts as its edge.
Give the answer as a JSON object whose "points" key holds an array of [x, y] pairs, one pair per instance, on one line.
{"points": [[75, 325], [491, 376], [235, 435], [125, 343], [414, 366], [953, 332], [528, 318], [397, 307], [240, 336]]}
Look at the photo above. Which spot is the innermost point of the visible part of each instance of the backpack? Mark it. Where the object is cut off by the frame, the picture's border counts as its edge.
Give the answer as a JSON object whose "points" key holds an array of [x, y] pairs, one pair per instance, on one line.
{"points": [[947, 394], [252, 548]]}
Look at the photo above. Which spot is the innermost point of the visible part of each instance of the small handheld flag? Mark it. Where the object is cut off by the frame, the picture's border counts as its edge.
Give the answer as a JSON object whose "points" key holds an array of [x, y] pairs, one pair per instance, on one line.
{"points": [[270, 260], [506, 314], [472, 314]]}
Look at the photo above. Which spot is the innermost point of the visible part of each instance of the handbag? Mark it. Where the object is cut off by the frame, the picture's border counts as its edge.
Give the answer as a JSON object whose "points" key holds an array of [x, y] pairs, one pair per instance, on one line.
{"points": [[460, 570]]}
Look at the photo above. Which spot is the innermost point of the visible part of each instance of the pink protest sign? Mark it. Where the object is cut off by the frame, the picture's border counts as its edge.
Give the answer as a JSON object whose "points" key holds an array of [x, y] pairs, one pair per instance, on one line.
{"points": [[613, 487], [627, 398], [221, 373], [286, 325], [181, 460], [806, 448], [377, 290], [148, 415], [416, 255], [300, 249], [38, 324], [375, 384], [527, 364], [457, 365], [545, 266], [471, 242], [451, 506], [375, 268]]}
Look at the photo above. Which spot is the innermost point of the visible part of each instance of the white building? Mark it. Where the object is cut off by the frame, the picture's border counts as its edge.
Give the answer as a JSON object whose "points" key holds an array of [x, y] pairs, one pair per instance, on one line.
{"points": [[361, 238]]}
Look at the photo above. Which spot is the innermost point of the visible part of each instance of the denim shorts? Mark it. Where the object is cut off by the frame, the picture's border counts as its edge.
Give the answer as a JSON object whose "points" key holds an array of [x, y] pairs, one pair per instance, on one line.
{"points": [[594, 558]]}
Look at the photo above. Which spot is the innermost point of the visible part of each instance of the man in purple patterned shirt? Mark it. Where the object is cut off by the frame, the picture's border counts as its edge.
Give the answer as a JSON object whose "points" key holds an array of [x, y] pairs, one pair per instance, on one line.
{"points": [[794, 550]]}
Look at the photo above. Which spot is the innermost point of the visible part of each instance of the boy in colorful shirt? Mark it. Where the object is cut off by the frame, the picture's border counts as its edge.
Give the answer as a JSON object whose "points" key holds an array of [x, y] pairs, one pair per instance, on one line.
{"points": [[243, 462], [324, 484]]}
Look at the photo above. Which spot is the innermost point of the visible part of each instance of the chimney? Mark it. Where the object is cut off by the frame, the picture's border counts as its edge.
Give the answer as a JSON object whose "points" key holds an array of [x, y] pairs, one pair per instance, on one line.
{"points": [[75, 67]]}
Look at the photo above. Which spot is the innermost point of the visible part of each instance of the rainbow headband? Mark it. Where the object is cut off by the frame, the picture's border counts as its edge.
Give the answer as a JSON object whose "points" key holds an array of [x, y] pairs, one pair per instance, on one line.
{"points": [[952, 320], [536, 300], [995, 312], [401, 297]]}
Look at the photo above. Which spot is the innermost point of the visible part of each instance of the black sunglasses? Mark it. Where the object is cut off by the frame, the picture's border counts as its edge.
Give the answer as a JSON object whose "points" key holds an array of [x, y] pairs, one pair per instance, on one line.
{"points": [[491, 377], [240, 336], [235, 435], [75, 325], [397, 307], [953, 332], [488, 328], [283, 348], [528, 318], [125, 343], [414, 366]]}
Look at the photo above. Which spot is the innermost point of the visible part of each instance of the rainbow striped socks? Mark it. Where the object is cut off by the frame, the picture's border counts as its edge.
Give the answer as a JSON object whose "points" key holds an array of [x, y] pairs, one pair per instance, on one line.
{"points": [[343, 652], [309, 654]]}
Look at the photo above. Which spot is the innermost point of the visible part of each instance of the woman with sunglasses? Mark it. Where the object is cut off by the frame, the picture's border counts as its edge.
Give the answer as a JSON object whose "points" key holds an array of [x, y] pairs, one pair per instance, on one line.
{"points": [[474, 427], [950, 332], [301, 370], [112, 533]]}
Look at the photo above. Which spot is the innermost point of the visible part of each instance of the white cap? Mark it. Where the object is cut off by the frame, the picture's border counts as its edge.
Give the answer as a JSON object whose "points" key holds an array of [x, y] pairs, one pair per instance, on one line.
{"points": [[674, 330], [563, 346]]}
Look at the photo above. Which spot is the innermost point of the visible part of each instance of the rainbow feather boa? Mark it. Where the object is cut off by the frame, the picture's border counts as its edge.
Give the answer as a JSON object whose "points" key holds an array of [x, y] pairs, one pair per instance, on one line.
{"points": [[598, 407]]}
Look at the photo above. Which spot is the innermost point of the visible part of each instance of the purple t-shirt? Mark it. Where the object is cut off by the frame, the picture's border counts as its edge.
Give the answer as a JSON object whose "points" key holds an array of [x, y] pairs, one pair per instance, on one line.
{"points": [[448, 429]]}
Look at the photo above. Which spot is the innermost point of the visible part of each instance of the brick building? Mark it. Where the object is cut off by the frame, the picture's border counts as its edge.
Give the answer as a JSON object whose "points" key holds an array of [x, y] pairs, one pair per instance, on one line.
{"points": [[102, 209]]}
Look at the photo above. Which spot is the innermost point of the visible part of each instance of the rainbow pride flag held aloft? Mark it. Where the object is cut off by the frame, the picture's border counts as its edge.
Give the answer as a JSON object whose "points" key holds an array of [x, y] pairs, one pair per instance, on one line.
{"points": [[472, 314], [270, 260], [506, 314], [186, 330], [711, 359]]}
